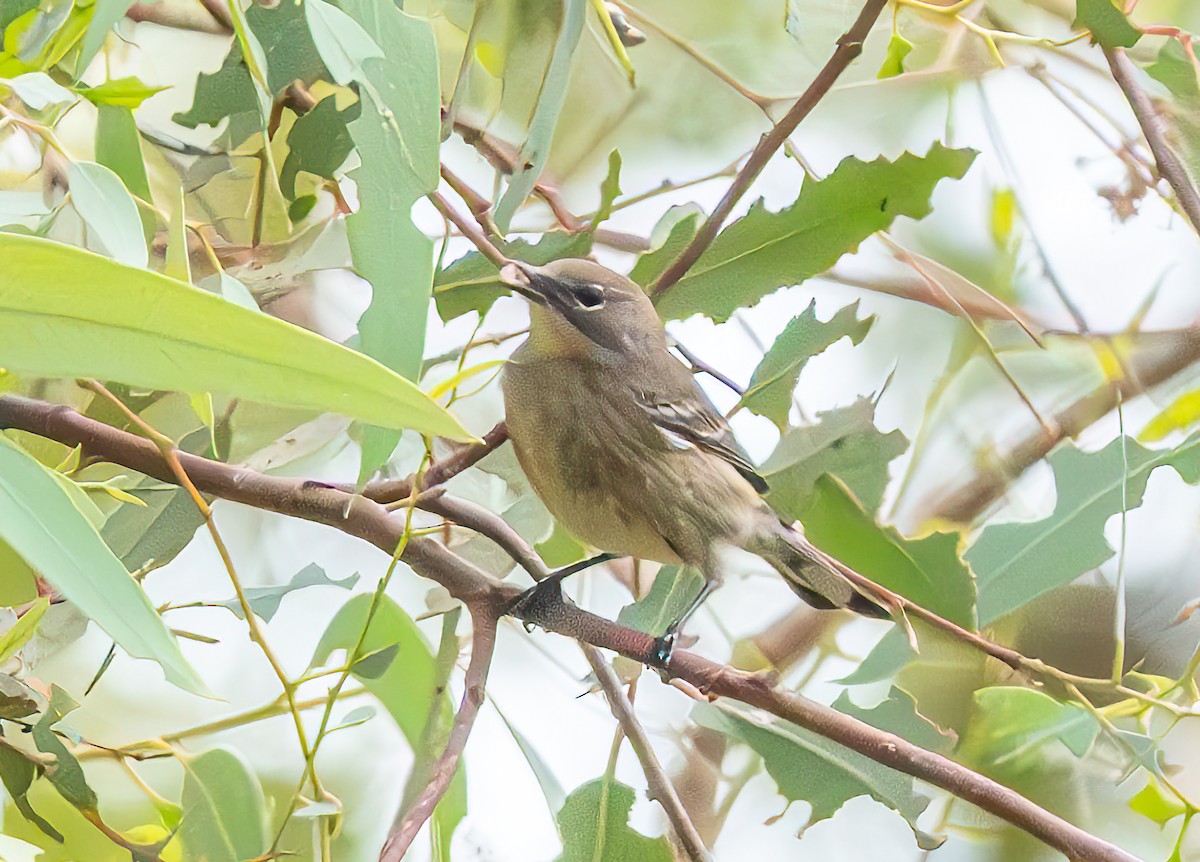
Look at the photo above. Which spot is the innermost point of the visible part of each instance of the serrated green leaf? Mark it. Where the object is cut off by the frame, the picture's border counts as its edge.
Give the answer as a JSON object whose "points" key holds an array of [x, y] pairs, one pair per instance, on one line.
{"points": [[1108, 23], [766, 250], [898, 714], [810, 768], [318, 143], [929, 571], [673, 232], [1173, 69], [552, 94], [264, 601], [175, 337], [843, 442], [41, 522], [1015, 563], [472, 283], [1012, 724], [224, 809], [774, 380], [594, 825], [406, 687], [109, 212], [65, 773]]}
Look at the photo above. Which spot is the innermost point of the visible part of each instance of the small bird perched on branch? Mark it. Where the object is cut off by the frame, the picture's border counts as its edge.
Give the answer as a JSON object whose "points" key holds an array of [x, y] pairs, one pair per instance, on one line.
{"points": [[625, 449]]}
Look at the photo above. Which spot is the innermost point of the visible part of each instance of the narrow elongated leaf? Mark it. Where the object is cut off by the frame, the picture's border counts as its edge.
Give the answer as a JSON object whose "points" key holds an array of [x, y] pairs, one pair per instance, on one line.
{"points": [[594, 825], [673, 590], [39, 520], [265, 601], [65, 774], [406, 686], [223, 807], [67, 313], [107, 208], [774, 380], [1015, 563], [553, 93], [105, 14], [17, 636], [767, 250]]}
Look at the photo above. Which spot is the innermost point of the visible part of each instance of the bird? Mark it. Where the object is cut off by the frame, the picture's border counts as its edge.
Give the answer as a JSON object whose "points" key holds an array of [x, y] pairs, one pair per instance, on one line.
{"points": [[627, 452]]}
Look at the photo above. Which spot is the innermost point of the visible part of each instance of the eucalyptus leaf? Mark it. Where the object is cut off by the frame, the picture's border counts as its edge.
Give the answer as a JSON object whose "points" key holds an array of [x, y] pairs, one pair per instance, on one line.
{"points": [[109, 212], [594, 825], [224, 809]]}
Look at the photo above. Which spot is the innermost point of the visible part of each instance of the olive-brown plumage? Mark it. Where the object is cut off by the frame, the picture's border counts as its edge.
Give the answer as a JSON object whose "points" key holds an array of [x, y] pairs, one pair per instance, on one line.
{"points": [[624, 448]]}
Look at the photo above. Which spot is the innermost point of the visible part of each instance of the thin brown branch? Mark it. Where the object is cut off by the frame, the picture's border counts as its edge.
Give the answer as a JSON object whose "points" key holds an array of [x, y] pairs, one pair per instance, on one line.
{"points": [[357, 516], [1169, 165], [480, 207], [219, 10], [483, 646], [849, 46], [439, 472], [657, 782], [470, 230], [1156, 357]]}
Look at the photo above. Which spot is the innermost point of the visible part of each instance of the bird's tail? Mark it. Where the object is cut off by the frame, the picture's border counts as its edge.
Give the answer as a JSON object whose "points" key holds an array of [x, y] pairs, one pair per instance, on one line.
{"points": [[813, 574]]}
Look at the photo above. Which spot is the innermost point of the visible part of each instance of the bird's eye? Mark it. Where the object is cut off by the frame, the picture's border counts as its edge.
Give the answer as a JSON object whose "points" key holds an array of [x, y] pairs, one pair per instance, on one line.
{"points": [[589, 296]]}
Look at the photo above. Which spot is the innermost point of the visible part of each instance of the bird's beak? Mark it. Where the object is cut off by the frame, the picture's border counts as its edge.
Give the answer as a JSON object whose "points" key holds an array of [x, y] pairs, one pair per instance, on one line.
{"points": [[533, 283]]}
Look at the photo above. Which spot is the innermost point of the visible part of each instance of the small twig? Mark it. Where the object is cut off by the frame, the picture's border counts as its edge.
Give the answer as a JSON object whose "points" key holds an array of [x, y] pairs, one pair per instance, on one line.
{"points": [[483, 646], [439, 472], [700, 365], [219, 11], [1169, 166], [658, 783], [849, 46], [480, 207], [470, 230]]}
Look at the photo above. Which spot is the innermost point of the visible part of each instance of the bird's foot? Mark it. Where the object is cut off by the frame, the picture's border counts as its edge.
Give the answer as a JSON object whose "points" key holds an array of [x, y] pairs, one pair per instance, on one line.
{"points": [[663, 647], [547, 593]]}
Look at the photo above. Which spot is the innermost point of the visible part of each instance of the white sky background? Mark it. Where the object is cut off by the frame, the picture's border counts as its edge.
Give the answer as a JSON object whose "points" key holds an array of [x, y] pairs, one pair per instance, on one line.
{"points": [[1108, 268]]}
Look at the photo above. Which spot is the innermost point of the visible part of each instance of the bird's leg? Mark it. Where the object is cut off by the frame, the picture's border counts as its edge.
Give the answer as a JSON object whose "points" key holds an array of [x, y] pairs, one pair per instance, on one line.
{"points": [[550, 587], [664, 645]]}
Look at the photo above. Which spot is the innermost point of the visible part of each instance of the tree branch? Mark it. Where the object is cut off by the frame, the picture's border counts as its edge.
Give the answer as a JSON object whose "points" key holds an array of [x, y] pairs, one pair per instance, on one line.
{"points": [[657, 782], [366, 519], [484, 616], [849, 46], [468, 455], [1169, 165]]}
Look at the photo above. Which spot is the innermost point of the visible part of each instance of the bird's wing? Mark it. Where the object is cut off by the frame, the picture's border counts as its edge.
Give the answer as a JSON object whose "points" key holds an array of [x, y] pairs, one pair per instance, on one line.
{"points": [[681, 410]]}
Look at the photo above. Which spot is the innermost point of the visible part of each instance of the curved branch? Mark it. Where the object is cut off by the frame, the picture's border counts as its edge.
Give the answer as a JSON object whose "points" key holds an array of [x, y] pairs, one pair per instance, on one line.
{"points": [[483, 646], [368, 520]]}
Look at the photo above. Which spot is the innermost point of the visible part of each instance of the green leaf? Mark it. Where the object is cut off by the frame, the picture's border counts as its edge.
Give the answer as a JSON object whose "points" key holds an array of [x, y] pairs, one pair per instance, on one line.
{"points": [[893, 63], [264, 601], [1015, 563], [65, 773], [610, 189], [766, 250], [929, 571], [898, 714], [18, 772], [105, 14], [551, 789], [38, 90], [679, 224], [17, 636], [17, 700], [1180, 415], [810, 768], [1154, 803], [594, 825], [341, 41], [672, 593], [119, 148], [1010, 725], [174, 337], [128, 92], [40, 521], [318, 143], [109, 212], [774, 380], [472, 283], [845, 443], [224, 809], [406, 687], [1173, 69], [552, 94], [1108, 23], [155, 532]]}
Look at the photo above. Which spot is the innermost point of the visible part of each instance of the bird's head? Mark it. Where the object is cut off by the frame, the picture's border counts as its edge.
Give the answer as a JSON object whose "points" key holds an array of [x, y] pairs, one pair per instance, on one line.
{"points": [[605, 307]]}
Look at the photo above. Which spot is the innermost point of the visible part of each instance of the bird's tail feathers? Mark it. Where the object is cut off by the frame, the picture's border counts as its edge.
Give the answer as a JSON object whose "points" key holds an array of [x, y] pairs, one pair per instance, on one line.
{"points": [[813, 574]]}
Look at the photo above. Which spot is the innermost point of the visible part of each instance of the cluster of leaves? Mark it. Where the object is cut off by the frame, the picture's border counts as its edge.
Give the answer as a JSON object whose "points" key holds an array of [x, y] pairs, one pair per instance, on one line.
{"points": [[308, 91]]}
